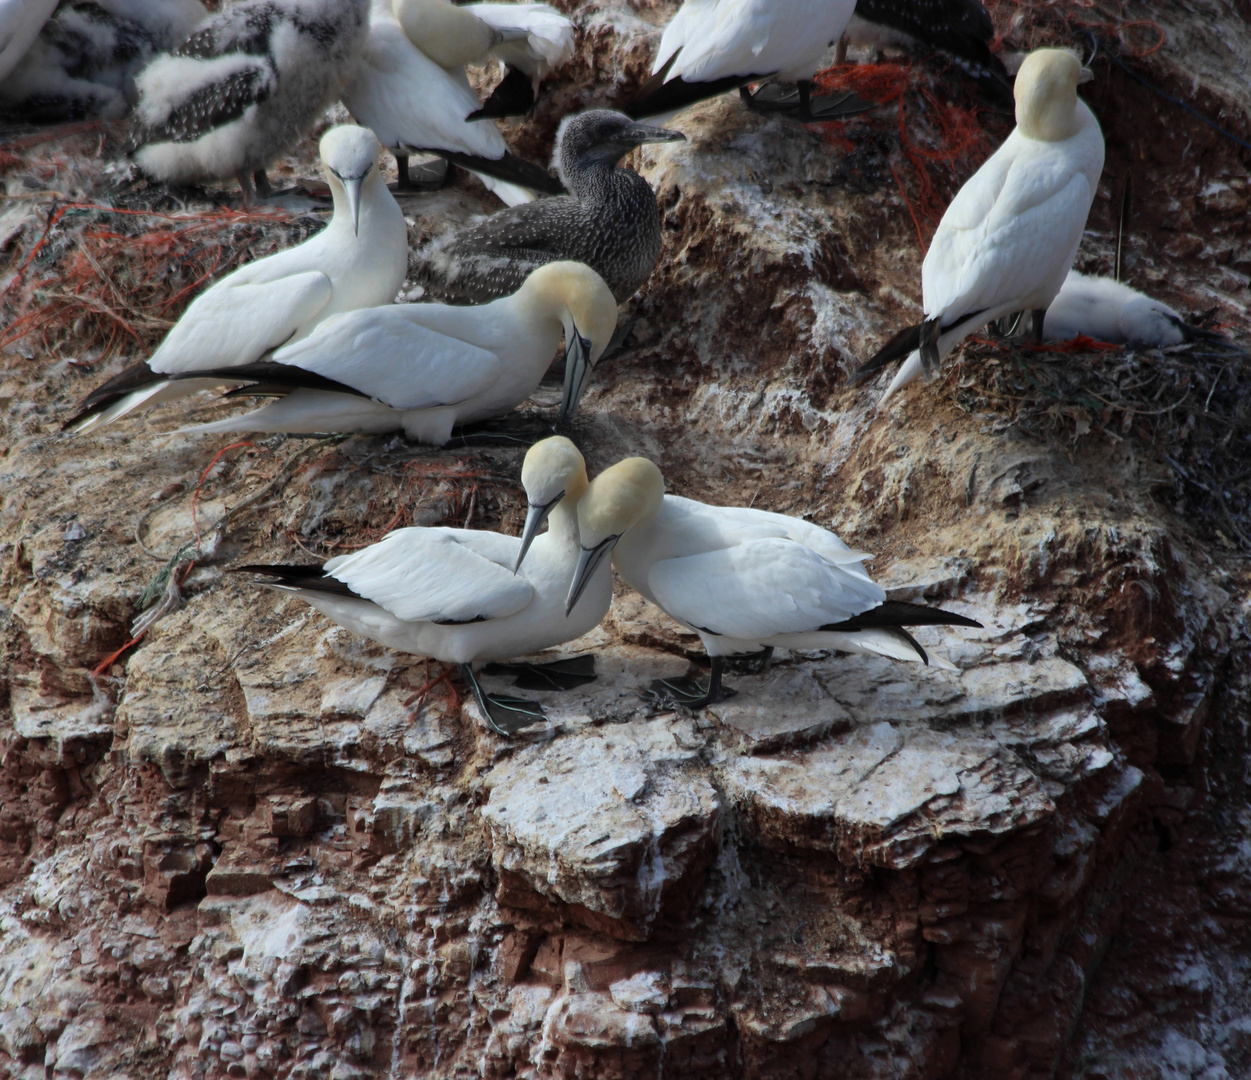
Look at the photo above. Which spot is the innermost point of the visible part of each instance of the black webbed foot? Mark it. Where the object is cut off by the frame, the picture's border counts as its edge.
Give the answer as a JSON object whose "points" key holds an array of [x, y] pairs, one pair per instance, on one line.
{"points": [[688, 693], [505, 715], [755, 663], [567, 674]]}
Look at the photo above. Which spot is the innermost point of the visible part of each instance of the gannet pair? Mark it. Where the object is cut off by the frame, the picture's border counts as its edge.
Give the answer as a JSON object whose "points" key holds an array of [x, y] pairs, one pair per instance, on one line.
{"points": [[84, 59], [358, 260], [711, 46], [460, 595], [410, 85], [243, 88], [1009, 237], [610, 221], [744, 580]]}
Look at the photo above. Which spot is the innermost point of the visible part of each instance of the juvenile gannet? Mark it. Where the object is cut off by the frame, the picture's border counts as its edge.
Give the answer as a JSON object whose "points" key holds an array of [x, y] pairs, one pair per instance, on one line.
{"points": [[961, 28], [610, 221], [243, 88], [20, 23], [711, 46], [1010, 235], [358, 260], [744, 580], [415, 105], [453, 595], [1108, 310], [84, 59], [426, 368], [529, 39]]}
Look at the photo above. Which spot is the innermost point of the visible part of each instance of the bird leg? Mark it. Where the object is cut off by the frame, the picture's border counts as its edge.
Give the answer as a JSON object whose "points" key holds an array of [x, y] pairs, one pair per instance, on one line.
{"points": [[567, 674], [263, 190], [504, 715], [429, 175], [689, 694], [245, 185], [402, 183], [840, 54], [419, 696], [1037, 315], [752, 663]]}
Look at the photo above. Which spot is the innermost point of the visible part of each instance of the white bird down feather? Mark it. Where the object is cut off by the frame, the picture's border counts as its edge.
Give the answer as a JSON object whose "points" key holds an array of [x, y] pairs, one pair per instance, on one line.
{"points": [[20, 23], [1108, 310], [457, 595], [743, 579], [1010, 235], [545, 42], [426, 368], [358, 260]]}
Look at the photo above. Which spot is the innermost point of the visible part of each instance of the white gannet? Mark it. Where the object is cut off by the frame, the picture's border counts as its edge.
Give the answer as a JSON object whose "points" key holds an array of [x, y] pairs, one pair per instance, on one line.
{"points": [[414, 105], [20, 23], [1108, 310], [460, 595], [744, 580], [84, 59], [961, 28], [711, 46], [1010, 235], [426, 368], [243, 88], [610, 221], [358, 260]]}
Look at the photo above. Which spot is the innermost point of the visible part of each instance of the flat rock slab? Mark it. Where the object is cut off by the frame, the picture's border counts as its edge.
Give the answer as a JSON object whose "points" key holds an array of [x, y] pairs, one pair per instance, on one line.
{"points": [[616, 823]]}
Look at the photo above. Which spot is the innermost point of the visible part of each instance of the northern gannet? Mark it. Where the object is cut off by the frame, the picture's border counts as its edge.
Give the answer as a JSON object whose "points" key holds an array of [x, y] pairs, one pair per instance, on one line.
{"points": [[84, 59], [415, 105], [744, 580], [358, 260], [961, 28], [426, 368], [457, 595], [243, 88], [1010, 235], [711, 46], [20, 23], [610, 221], [529, 39], [1108, 310]]}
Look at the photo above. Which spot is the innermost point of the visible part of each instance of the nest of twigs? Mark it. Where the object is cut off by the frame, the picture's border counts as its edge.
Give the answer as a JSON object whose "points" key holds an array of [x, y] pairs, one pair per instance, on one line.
{"points": [[1190, 404]]}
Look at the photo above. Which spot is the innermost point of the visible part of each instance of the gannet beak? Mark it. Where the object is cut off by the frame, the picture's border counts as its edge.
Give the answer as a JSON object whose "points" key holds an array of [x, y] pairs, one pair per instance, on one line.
{"points": [[352, 188], [578, 368], [1085, 76], [588, 560], [646, 133], [535, 516]]}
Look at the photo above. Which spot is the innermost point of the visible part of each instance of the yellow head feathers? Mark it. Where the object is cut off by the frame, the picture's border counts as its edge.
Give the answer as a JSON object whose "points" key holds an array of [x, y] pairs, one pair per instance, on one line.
{"points": [[1046, 95]]}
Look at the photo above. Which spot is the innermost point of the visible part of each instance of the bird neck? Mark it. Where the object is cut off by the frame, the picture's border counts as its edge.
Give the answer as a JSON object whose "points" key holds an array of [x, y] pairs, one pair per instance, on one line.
{"points": [[587, 173], [562, 522]]}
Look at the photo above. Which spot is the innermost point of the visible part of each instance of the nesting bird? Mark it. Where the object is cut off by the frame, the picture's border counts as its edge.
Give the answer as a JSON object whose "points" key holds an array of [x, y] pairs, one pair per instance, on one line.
{"points": [[711, 46], [459, 596], [243, 88], [415, 104], [744, 580], [1108, 310], [84, 59], [1010, 235], [424, 369], [610, 221], [358, 260]]}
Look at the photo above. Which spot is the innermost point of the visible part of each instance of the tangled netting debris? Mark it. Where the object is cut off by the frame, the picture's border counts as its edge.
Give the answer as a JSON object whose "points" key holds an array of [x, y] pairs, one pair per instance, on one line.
{"points": [[1189, 403]]}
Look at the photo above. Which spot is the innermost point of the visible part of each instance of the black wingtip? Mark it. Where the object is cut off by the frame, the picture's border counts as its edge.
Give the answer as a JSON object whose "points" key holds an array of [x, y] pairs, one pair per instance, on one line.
{"points": [[512, 96], [510, 168], [904, 342], [896, 614], [136, 377], [657, 96]]}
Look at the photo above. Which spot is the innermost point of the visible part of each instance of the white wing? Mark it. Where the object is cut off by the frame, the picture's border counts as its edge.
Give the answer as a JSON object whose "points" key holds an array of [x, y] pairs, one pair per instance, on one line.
{"points": [[549, 35], [237, 321], [437, 575], [382, 352], [760, 588]]}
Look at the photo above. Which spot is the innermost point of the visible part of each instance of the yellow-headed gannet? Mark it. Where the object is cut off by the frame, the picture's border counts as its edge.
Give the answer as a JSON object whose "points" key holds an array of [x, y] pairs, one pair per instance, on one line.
{"points": [[610, 221], [1108, 310], [1010, 235], [243, 88], [415, 105], [744, 580], [711, 46], [358, 260], [424, 369], [457, 595]]}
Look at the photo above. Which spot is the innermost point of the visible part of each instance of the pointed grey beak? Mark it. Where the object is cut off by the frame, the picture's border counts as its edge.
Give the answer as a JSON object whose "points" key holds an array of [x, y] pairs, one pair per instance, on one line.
{"points": [[588, 560], [535, 516], [578, 368], [352, 188], [647, 133]]}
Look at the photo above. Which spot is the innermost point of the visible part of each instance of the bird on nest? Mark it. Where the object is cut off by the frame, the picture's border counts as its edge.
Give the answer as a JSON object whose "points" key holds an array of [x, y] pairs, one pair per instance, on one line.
{"points": [[1009, 237]]}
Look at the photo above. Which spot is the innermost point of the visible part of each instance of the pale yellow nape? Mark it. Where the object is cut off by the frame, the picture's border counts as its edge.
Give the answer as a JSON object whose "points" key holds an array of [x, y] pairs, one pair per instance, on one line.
{"points": [[1046, 95], [450, 36], [559, 287], [618, 498], [551, 461]]}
